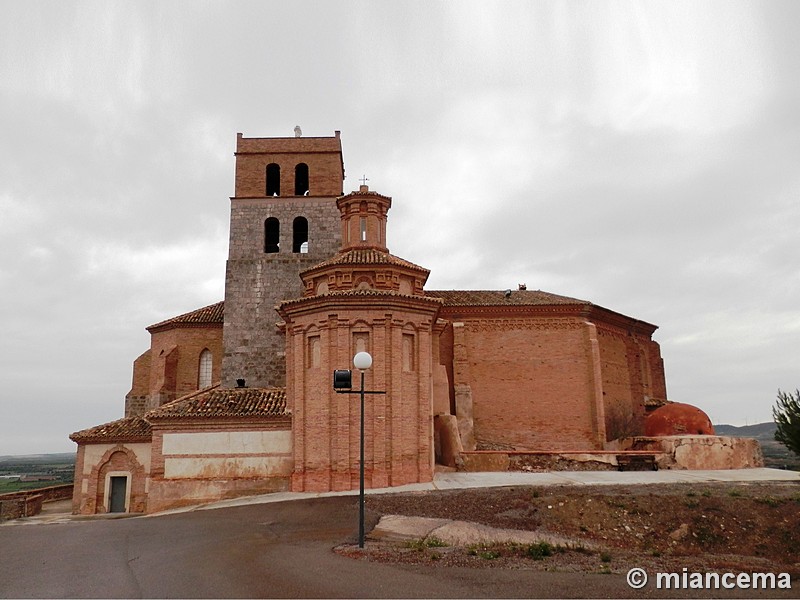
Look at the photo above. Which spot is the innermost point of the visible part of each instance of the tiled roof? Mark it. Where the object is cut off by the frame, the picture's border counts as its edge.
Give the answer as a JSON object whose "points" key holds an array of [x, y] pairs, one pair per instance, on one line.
{"points": [[213, 313], [359, 292], [498, 298], [234, 402], [129, 429], [655, 402], [367, 192], [367, 256]]}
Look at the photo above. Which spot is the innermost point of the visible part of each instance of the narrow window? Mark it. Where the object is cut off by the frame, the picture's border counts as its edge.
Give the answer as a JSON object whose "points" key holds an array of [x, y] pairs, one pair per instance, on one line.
{"points": [[301, 179], [408, 352], [273, 179], [204, 375], [360, 342], [314, 350], [363, 229], [300, 235], [272, 235]]}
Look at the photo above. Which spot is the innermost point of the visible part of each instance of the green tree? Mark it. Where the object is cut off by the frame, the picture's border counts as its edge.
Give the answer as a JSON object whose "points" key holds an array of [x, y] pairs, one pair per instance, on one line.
{"points": [[787, 417]]}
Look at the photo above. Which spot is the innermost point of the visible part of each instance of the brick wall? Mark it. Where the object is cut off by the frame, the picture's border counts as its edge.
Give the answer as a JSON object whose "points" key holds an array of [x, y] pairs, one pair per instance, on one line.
{"points": [[171, 367], [398, 424], [175, 360], [531, 382], [632, 369], [323, 155]]}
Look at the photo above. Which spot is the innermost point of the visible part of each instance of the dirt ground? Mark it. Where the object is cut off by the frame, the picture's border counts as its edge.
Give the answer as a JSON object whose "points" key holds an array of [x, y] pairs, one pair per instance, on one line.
{"points": [[731, 527]]}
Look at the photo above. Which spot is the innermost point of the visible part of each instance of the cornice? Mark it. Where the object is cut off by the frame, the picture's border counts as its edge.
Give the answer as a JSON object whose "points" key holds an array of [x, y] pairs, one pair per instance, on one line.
{"points": [[356, 298]]}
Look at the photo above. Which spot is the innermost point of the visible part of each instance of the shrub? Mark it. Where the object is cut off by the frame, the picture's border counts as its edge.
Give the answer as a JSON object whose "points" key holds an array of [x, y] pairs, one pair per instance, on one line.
{"points": [[540, 551], [787, 418]]}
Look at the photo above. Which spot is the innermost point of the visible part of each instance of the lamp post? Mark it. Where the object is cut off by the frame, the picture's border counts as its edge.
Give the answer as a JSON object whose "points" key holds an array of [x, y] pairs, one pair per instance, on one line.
{"points": [[361, 361], [342, 384]]}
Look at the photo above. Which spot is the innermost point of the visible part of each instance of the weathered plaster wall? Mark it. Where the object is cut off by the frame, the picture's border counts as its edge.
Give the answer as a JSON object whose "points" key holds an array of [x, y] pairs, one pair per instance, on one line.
{"points": [[703, 451], [217, 461], [227, 454]]}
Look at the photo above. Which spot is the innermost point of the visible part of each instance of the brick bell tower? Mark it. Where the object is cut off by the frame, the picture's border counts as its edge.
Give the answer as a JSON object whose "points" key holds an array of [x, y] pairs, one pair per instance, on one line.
{"points": [[284, 219]]}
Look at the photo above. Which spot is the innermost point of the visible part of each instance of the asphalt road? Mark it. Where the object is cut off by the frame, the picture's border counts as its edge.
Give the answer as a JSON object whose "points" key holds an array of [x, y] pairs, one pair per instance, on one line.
{"points": [[279, 550]]}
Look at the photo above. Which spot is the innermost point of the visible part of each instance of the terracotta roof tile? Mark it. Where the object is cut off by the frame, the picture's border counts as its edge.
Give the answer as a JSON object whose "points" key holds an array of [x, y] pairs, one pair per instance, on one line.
{"points": [[655, 402], [366, 256], [234, 402], [129, 429], [213, 313], [366, 192], [359, 292], [498, 298]]}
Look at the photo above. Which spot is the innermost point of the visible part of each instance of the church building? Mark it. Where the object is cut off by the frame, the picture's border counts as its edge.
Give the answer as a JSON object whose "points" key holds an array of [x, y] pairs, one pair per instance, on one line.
{"points": [[236, 398]]}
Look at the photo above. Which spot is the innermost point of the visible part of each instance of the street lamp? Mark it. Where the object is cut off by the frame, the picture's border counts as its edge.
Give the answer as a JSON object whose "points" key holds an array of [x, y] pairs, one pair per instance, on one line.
{"points": [[342, 384]]}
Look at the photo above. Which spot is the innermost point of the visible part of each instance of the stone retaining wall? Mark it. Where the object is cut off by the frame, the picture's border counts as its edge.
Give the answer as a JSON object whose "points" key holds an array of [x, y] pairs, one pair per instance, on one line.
{"points": [[28, 503]]}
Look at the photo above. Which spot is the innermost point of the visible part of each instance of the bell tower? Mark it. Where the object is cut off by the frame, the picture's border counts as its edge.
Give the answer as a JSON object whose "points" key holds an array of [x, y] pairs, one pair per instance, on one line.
{"points": [[284, 219]]}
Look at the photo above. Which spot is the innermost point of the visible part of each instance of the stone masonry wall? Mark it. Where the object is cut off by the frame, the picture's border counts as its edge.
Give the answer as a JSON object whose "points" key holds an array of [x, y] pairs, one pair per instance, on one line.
{"points": [[256, 282]]}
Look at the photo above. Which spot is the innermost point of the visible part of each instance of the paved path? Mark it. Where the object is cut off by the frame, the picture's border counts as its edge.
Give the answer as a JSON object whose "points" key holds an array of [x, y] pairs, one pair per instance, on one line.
{"points": [[455, 480], [272, 550], [261, 547]]}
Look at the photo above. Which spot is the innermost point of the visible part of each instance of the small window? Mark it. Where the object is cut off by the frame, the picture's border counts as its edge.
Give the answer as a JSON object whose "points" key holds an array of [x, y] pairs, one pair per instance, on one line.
{"points": [[314, 350], [408, 352], [272, 235], [300, 235], [273, 179], [360, 342], [363, 229], [204, 376], [301, 179]]}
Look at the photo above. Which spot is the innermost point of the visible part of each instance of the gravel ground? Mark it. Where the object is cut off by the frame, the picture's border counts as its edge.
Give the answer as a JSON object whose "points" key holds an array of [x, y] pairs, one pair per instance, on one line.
{"points": [[731, 527]]}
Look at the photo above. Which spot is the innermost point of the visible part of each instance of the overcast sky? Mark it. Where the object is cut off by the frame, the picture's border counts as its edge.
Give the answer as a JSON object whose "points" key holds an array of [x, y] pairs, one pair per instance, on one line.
{"points": [[643, 156]]}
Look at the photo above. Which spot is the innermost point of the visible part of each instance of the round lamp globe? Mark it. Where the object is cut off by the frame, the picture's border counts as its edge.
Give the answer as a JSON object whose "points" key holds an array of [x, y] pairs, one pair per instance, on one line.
{"points": [[362, 361]]}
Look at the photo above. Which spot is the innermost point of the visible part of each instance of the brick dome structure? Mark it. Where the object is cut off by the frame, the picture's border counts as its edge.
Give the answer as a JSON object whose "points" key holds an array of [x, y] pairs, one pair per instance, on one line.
{"points": [[677, 418]]}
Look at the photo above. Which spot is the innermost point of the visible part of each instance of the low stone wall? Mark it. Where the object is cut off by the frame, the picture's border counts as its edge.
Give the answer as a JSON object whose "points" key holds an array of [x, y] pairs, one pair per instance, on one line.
{"points": [[693, 452], [702, 451], [23, 506], [28, 503], [542, 461], [56, 492]]}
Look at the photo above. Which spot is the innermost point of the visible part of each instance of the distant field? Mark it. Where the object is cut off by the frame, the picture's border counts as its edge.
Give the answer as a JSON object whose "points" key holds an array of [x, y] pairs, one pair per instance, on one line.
{"points": [[44, 470]]}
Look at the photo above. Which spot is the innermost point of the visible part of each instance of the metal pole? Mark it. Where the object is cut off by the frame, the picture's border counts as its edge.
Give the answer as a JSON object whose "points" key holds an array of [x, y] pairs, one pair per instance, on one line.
{"points": [[361, 474]]}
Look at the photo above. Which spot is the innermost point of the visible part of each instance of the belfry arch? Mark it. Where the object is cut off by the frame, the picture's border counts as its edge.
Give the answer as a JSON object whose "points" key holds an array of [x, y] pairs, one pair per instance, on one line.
{"points": [[273, 179], [301, 179]]}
